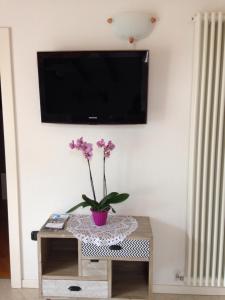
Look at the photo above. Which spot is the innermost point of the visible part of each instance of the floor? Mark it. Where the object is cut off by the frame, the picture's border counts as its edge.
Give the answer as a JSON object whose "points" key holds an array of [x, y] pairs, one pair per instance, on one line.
{"points": [[6, 293], [4, 242]]}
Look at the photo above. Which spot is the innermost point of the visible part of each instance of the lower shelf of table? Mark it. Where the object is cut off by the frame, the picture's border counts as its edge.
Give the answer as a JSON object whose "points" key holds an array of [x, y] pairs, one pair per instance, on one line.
{"points": [[130, 279], [59, 257]]}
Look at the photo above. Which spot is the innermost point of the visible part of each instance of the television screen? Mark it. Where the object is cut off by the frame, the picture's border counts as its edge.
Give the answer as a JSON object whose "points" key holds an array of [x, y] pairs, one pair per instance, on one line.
{"points": [[93, 87]]}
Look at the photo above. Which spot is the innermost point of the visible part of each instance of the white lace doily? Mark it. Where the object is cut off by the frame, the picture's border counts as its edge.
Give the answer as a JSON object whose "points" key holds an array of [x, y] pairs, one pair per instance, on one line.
{"points": [[115, 231]]}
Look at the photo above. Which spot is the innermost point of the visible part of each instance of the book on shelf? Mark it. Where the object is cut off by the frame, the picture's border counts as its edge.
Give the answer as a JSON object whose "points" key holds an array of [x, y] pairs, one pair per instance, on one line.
{"points": [[56, 221]]}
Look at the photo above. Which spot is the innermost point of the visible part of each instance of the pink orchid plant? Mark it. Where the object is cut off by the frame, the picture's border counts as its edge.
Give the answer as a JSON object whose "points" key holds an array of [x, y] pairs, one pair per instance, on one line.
{"points": [[105, 203]]}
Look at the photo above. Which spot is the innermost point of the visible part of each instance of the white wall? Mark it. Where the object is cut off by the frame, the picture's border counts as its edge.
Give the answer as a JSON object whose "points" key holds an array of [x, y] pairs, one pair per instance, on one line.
{"points": [[150, 161]]}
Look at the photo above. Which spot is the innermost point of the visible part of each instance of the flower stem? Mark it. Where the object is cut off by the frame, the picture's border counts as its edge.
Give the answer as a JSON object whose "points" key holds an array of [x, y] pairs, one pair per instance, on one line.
{"points": [[104, 180], [91, 179]]}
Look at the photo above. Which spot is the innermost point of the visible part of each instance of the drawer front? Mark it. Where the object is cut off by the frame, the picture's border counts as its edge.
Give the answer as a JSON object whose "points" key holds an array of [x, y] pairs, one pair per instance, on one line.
{"points": [[74, 288], [93, 267], [127, 248]]}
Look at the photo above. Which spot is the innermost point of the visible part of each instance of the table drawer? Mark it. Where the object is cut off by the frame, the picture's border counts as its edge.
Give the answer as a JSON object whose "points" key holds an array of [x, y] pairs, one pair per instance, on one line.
{"points": [[127, 248], [94, 267], [74, 288]]}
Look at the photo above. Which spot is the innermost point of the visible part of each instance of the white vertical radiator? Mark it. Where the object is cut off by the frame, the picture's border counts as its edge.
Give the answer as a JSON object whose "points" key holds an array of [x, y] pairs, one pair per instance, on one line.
{"points": [[206, 192]]}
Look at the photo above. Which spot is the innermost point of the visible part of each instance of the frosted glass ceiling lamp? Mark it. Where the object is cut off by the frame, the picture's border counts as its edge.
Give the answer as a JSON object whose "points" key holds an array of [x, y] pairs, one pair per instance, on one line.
{"points": [[132, 26]]}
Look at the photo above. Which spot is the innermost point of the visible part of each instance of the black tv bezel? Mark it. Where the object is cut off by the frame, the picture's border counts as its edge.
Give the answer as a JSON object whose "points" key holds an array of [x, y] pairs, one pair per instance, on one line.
{"points": [[62, 119]]}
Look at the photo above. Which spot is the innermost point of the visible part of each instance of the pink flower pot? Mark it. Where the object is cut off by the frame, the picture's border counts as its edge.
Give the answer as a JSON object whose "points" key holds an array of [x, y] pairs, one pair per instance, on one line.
{"points": [[99, 217]]}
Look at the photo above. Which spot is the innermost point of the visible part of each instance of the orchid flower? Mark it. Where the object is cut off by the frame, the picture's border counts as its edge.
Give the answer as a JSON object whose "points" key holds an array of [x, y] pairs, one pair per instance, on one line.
{"points": [[107, 148], [87, 150]]}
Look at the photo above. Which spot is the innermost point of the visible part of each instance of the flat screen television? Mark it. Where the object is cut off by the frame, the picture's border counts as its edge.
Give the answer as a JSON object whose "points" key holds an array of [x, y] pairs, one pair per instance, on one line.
{"points": [[93, 87]]}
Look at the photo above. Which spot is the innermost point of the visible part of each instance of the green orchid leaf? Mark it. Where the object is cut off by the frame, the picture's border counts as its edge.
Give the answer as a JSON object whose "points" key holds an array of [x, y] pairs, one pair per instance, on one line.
{"points": [[118, 198], [113, 194], [104, 207], [96, 207], [113, 210], [81, 204], [107, 197], [91, 202], [108, 207], [87, 199]]}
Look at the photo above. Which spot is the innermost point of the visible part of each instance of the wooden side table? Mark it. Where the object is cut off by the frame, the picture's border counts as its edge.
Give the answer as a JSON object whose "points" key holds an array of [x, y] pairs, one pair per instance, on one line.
{"points": [[71, 269]]}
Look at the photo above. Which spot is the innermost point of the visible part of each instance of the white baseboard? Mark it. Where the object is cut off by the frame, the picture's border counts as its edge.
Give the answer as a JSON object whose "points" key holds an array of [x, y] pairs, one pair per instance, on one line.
{"points": [[161, 289], [30, 284], [187, 290]]}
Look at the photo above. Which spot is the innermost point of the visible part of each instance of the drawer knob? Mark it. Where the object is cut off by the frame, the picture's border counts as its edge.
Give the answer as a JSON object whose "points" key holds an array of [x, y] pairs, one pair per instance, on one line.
{"points": [[74, 288], [115, 247]]}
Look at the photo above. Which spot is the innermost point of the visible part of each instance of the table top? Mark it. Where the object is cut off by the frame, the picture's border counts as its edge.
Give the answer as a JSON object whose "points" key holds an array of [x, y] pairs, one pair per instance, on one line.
{"points": [[143, 231]]}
